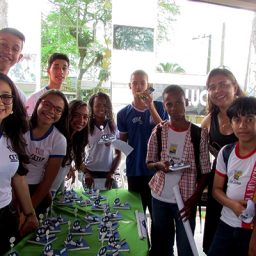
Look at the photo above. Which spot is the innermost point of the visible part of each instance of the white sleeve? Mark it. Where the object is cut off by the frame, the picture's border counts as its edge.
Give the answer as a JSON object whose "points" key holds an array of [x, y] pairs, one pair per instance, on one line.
{"points": [[59, 146]]}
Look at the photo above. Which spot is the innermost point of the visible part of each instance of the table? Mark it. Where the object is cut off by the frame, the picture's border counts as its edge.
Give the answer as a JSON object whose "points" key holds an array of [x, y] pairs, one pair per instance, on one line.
{"points": [[127, 227]]}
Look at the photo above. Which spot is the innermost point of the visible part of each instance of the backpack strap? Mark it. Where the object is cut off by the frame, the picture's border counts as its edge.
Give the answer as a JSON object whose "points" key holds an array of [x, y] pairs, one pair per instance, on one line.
{"points": [[226, 153], [159, 141], [195, 133]]}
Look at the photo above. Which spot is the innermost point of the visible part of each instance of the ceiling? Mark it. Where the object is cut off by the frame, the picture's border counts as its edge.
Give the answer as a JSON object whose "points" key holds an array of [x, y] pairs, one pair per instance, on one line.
{"points": [[244, 4]]}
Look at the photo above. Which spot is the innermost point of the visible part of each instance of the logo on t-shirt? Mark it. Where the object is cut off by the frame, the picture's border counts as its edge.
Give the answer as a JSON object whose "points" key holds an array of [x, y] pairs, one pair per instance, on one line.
{"points": [[13, 158], [236, 178]]}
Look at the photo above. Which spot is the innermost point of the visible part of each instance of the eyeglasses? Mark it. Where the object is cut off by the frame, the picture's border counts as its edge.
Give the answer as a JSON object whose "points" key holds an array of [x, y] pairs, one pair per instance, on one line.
{"points": [[6, 99], [220, 85], [48, 105]]}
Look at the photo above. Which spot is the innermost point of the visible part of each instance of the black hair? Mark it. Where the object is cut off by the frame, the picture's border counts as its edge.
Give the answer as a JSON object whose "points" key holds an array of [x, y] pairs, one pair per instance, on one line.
{"points": [[16, 124], [13, 31], [57, 56], [241, 107], [173, 88], [79, 139], [61, 124], [109, 112]]}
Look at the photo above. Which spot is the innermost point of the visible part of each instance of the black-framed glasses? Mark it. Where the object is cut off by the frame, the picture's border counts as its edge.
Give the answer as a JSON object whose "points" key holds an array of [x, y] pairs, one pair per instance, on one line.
{"points": [[48, 105], [7, 99]]}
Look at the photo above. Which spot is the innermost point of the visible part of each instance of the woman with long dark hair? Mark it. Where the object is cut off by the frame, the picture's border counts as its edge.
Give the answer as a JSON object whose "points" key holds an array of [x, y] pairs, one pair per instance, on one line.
{"points": [[13, 124], [223, 89]]}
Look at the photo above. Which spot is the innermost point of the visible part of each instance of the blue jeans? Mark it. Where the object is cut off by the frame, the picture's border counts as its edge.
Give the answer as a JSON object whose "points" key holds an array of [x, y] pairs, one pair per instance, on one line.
{"points": [[230, 241], [165, 217]]}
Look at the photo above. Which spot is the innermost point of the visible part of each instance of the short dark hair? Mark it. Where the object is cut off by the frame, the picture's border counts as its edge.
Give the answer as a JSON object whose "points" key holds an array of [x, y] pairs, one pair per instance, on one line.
{"points": [[173, 88], [13, 31], [57, 56], [139, 72], [242, 106]]}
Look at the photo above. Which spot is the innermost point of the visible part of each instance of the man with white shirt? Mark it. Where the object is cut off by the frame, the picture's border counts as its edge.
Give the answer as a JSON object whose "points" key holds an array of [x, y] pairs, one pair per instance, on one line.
{"points": [[58, 69], [11, 45]]}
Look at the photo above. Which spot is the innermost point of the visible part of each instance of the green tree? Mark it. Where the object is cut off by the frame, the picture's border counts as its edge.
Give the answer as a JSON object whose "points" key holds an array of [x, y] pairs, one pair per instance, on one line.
{"points": [[170, 68], [166, 12], [81, 29]]}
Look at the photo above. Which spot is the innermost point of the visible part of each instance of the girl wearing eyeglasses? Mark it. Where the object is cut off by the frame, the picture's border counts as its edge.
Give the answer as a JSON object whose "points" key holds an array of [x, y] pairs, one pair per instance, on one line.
{"points": [[12, 172], [46, 146]]}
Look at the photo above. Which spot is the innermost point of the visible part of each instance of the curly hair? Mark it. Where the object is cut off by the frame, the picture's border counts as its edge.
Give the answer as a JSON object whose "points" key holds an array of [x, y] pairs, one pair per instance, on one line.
{"points": [[16, 124]]}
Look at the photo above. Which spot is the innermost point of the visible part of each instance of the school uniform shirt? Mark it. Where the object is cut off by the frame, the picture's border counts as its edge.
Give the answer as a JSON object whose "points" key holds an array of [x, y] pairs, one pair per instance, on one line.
{"points": [[188, 180], [52, 144], [99, 157], [9, 164], [241, 184], [138, 124], [33, 98], [175, 145]]}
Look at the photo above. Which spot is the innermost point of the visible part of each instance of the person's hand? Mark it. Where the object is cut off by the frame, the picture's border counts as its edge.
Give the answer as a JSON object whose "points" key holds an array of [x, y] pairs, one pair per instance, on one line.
{"points": [[146, 98], [29, 225], [188, 211], [88, 180], [162, 166], [109, 180], [71, 175], [238, 207]]}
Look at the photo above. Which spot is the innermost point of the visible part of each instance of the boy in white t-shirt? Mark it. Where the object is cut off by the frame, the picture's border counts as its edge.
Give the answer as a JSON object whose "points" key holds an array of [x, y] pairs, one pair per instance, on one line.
{"points": [[236, 222]]}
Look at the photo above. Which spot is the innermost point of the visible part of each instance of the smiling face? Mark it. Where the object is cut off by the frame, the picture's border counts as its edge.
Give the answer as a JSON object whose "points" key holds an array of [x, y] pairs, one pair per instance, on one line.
{"points": [[79, 118], [58, 72], [10, 51], [50, 109], [221, 91], [100, 108], [5, 109]]}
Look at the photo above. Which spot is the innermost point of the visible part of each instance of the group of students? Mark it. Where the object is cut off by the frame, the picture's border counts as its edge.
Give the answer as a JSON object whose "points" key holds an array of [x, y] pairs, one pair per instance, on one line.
{"points": [[62, 137]]}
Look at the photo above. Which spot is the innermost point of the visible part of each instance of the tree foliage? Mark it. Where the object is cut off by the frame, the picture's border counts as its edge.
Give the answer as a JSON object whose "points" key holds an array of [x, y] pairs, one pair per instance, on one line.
{"points": [[170, 68], [82, 30]]}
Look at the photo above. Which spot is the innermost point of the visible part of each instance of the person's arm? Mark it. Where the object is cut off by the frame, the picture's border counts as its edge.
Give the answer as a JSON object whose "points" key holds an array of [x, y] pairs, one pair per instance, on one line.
{"points": [[20, 187], [51, 171], [206, 122], [187, 211], [237, 206], [114, 165], [123, 136], [252, 245]]}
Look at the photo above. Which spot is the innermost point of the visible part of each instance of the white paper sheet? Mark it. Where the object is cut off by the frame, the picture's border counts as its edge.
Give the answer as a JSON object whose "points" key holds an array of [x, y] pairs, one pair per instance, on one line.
{"points": [[122, 146], [186, 224]]}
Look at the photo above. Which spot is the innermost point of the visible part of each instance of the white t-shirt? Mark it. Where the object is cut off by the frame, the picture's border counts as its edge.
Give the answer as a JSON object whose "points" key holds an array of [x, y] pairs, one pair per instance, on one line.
{"points": [[33, 98], [99, 157], [9, 164], [239, 173], [176, 142], [52, 144]]}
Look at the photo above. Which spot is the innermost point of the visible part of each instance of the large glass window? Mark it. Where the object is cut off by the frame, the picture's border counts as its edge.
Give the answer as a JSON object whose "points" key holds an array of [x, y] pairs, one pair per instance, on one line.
{"points": [[174, 42]]}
